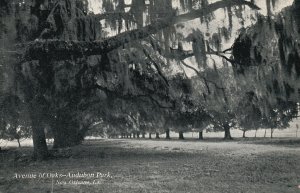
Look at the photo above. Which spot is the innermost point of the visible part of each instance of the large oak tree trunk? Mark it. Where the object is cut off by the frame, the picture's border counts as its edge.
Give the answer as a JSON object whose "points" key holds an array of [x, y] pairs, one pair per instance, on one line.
{"points": [[227, 131], [157, 135], [244, 133], [150, 137], [168, 134], [40, 149], [200, 135], [37, 113], [181, 135], [67, 133], [19, 144], [272, 131]]}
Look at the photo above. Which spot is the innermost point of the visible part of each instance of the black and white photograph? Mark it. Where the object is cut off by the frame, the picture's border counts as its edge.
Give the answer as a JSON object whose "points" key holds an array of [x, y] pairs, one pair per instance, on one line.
{"points": [[149, 96]]}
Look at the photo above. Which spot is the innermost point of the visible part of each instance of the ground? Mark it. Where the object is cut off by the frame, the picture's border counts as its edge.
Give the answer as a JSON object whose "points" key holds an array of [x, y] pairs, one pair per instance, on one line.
{"points": [[137, 165]]}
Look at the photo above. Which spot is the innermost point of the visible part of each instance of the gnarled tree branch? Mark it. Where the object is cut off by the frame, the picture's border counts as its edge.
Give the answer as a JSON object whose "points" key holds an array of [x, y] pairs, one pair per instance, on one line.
{"points": [[59, 50]]}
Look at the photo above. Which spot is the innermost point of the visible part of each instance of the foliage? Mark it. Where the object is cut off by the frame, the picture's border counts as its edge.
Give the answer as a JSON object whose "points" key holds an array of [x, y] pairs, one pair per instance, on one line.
{"points": [[14, 122], [125, 68]]}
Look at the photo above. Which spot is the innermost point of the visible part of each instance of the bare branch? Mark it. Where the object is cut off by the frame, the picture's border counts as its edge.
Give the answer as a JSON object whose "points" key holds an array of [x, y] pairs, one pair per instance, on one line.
{"points": [[220, 54]]}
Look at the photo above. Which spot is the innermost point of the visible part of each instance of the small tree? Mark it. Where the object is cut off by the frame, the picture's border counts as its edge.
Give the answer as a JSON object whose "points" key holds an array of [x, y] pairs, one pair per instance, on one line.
{"points": [[15, 123], [249, 116], [279, 116], [16, 133]]}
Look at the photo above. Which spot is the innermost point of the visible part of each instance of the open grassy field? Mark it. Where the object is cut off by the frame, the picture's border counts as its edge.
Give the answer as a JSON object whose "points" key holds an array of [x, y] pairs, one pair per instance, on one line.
{"points": [[213, 165]]}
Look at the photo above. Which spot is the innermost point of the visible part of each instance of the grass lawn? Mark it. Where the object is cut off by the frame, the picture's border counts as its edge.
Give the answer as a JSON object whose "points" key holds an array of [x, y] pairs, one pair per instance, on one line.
{"points": [[212, 165]]}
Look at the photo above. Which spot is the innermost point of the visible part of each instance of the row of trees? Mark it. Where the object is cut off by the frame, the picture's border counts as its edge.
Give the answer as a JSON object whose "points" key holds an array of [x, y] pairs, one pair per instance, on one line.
{"points": [[67, 72], [241, 112]]}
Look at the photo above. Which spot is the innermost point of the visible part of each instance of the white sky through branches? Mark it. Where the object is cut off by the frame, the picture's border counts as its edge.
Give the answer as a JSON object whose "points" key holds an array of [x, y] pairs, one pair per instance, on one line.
{"points": [[95, 5], [220, 20]]}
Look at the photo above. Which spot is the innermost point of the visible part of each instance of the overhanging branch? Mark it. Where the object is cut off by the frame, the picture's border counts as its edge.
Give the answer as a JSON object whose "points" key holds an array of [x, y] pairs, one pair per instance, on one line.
{"points": [[131, 97], [60, 50], [220, 54]]}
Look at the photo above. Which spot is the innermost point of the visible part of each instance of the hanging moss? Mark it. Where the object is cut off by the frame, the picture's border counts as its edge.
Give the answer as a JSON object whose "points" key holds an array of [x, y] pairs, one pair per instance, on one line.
{"points": [[199, 47], [271, 48]]}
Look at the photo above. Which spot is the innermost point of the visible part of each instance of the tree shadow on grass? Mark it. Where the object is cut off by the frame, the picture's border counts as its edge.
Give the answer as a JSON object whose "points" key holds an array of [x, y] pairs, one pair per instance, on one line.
{"points": [[285, 142]]}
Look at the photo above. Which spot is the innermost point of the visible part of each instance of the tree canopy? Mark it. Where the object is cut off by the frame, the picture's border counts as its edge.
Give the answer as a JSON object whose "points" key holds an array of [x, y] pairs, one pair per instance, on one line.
{"points": [[149, 65]]}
